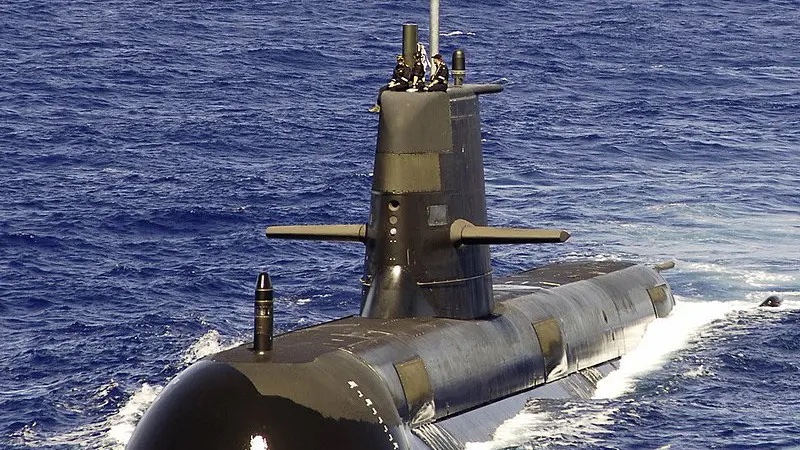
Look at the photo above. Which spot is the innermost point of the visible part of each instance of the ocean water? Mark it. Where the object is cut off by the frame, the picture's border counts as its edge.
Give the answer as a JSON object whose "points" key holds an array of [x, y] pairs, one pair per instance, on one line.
{"points": [[145, 145]]}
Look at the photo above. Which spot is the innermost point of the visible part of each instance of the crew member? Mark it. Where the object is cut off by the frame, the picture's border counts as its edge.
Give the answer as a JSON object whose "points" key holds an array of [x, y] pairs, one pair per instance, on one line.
{"points": [[418, 73], [399, 81], [439, 76]]}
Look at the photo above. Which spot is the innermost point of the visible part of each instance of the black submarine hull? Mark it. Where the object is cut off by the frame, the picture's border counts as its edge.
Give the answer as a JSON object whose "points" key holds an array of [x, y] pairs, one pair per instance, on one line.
{"points": [[409, 383], [441, 352]]}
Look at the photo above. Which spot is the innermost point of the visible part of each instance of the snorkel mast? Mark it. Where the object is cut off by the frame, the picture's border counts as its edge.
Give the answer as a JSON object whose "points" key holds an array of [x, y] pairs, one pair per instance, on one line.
{"points": [[434, 37]]}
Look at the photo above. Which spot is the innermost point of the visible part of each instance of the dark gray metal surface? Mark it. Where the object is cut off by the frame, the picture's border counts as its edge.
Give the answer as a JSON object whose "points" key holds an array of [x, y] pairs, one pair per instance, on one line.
{"points": [[410, 38], [420, 371]]}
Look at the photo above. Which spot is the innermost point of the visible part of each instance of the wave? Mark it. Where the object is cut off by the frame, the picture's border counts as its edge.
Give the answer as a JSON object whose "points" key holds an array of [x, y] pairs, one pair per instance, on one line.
{"points": [[662, 339], [114, 431], [752, 277], [457, 33]]}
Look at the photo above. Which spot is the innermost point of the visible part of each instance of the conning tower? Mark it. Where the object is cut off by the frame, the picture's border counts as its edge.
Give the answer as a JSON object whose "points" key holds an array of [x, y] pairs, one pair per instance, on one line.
{"points": [[427, 237], [427, 252]]}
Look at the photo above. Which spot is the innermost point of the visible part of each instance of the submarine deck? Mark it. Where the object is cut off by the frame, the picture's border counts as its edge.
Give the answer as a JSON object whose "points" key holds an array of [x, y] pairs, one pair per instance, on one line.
{"points": [[553, 275], [351, 332], [548, 324]]}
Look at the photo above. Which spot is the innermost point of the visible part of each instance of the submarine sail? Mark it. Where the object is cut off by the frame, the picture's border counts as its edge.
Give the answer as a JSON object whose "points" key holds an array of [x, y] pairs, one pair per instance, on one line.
{"points": [[442, 351]]}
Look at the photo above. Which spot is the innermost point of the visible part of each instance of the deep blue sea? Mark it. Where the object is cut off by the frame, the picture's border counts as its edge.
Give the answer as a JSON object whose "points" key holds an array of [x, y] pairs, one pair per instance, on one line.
{"points": [[145, 145]]}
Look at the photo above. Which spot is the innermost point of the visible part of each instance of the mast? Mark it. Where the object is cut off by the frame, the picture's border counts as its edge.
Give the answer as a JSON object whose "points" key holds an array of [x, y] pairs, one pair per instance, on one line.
{"points": [[434, 37]]}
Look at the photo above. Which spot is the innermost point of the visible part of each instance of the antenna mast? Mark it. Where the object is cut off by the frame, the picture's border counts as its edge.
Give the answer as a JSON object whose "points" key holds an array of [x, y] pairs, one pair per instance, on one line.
{"points": [[434, 37]]}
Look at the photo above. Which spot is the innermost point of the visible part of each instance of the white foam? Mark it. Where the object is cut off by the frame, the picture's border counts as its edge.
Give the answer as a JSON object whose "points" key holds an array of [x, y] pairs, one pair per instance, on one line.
{"points": [[120, 426], [791, 300], [114, 432], [755, 278], [208, 344], [697, 372], [759, 278], [109, 434], [457, 33], [662, 338], [538, 423]]}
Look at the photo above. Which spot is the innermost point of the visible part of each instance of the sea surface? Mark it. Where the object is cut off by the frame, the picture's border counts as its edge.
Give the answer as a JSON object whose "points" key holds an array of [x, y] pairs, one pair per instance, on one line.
{"points": [[145, 145]]}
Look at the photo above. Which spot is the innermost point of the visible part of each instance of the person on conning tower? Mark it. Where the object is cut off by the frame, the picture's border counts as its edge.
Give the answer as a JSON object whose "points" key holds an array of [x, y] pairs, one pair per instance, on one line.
{"points": [[399, 81], [418, 72], [439, 76]]}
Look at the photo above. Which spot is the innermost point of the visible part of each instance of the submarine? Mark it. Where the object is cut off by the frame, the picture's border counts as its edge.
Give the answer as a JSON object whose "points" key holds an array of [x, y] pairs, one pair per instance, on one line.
{"points": [[442, 351]]}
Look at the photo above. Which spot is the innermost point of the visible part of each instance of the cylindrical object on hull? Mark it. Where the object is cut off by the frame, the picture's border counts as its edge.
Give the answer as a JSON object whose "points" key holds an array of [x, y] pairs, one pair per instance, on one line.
{"points": [[410, 38], [263, 327], [459, 67]]}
